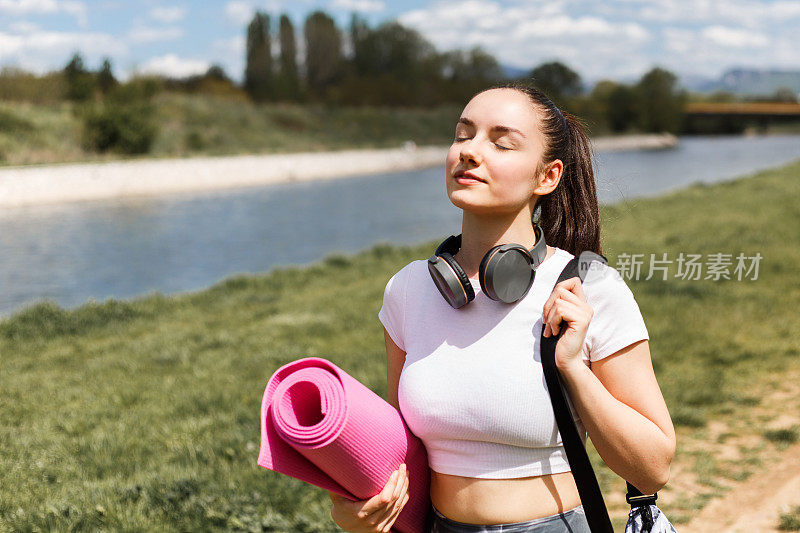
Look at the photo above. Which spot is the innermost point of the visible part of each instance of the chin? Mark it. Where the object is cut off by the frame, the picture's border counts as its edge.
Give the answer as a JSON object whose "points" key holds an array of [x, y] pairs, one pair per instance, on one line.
{"points": [[463, 202]]}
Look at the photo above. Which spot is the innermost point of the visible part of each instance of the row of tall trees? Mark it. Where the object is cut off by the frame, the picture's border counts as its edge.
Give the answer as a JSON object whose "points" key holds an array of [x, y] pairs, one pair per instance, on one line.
{"points": [[83, 84], [394, 65], [389, 64]]}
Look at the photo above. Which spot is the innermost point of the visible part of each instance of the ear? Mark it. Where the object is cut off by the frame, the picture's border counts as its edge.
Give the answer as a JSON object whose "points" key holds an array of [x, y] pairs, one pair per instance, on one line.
{"points": [[550, 178]]}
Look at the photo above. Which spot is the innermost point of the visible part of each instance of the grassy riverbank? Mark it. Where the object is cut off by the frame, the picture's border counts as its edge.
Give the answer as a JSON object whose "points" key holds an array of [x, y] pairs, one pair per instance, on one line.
{"points": [[191, 125], [143, 415]]}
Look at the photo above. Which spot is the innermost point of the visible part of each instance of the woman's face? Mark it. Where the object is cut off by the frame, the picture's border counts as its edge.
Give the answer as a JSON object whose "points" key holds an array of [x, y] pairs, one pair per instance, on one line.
{"points": [[498, 142]]}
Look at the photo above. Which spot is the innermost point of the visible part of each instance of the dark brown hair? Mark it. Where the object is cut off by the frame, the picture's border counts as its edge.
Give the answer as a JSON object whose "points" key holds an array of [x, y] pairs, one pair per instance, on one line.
{"points": [[570, 216]]}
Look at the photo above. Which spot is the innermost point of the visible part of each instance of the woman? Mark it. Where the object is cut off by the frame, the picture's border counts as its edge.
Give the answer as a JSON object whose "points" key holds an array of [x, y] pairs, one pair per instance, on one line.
{"points": [[464, 378]]}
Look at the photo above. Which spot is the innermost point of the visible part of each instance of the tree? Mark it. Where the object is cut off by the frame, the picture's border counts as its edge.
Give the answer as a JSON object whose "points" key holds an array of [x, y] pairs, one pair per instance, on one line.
{"points": [[621, 112], [258, 78], [359, 31], [324, 60], [216, 72], [659, 103], [124, 122], [784, 94], [105, 78], [467, 72], [557, 81], [80, 82], [289, 81]]}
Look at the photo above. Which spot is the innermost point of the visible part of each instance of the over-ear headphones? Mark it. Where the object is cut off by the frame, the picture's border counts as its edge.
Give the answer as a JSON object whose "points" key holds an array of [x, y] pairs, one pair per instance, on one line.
{"points": [[506, 272]]}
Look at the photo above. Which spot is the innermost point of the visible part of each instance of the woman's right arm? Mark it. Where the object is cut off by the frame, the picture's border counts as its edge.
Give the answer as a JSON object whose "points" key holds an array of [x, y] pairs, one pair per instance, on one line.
{"points": [[377, 514], [395, 359]]}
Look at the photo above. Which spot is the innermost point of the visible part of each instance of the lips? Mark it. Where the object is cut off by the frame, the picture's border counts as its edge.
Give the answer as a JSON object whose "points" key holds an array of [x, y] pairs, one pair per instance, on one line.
{"points": [[467, 174]]}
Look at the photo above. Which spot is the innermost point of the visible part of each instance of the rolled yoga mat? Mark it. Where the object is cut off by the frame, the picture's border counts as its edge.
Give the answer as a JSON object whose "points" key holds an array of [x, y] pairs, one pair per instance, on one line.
{"points": [[324, 427]]}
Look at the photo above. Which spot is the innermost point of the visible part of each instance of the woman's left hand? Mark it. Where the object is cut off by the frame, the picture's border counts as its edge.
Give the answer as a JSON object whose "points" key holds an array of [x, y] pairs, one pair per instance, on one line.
{"points": [[567, 302]]}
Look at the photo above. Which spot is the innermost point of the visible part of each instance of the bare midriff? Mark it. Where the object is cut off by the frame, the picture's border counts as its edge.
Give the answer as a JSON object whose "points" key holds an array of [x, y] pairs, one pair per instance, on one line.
{"points": [[502, 501]]}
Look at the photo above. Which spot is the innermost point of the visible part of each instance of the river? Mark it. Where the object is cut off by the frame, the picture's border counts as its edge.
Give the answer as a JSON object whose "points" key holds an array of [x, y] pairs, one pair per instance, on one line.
{"points": [[72, 253]]}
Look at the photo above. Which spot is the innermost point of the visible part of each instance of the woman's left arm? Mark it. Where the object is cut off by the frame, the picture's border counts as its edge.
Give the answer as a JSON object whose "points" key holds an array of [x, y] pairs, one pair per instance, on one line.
{"points": [[618, 398]]}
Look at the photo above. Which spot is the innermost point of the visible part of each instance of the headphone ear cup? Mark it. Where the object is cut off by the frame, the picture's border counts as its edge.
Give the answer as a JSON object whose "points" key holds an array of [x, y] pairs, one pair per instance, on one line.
{"points": [[458, 292], [505, 273], [486, 285]]}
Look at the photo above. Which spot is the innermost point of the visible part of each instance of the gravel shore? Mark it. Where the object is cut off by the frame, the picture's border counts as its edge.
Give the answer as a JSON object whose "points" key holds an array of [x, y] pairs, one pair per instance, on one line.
{"points": [[95, 181]]}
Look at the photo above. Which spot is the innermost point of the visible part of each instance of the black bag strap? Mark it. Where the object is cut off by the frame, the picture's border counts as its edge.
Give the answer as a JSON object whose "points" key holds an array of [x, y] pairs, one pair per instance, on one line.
{"points": [[588, 488]]}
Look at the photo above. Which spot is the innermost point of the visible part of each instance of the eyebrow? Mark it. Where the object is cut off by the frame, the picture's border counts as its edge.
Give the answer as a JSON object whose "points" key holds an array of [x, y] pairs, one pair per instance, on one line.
{"points": [[505, 129]]}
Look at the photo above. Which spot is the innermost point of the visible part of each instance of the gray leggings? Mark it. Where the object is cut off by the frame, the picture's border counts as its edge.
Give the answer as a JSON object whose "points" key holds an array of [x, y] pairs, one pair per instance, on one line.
{"points": [[572, 521]]}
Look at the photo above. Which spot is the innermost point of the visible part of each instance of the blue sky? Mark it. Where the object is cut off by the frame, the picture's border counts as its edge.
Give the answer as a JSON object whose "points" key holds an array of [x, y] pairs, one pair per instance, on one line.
{"points": [[616, 39]]}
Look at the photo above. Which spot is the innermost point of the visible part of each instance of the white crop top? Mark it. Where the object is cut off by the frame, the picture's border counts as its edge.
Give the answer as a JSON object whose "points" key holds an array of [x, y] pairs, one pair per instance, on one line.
{"points": [[472, 387]]}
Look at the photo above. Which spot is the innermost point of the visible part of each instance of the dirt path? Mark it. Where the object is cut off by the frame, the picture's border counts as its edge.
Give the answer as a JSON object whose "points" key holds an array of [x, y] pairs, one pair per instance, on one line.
{"points": [[756, 504], [144, 177], [739, 471]]}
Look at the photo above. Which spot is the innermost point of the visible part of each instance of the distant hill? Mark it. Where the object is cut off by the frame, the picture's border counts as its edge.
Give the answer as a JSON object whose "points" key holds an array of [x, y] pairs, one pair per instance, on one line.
{"points": [[739, 81], [746, 82]]}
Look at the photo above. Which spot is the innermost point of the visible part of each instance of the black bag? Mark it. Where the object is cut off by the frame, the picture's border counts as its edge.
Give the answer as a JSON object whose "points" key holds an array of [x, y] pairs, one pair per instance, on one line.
{"points": [[644, 516]]}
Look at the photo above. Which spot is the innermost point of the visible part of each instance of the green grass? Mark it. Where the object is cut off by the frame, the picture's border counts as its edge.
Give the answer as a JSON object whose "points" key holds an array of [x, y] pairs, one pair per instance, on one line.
{"points": [[191, 125], [790, 521], [144, 415], [783, 437]]}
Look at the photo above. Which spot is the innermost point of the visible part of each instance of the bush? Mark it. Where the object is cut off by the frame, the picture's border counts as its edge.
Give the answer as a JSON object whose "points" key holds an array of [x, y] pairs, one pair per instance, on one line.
{"points": [[790, 521], [124, 123]]}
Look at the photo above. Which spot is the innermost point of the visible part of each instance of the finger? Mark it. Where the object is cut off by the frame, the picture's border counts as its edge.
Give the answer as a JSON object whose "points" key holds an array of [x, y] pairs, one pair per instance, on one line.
{"points": [[570, 282], [572, 297], [378, 502], [567, 314], [579, 291], [559, 291], [553, 321], [386, 524], [402, 487], [558, 314], [392, 519], [572, 287], [400, 480]]}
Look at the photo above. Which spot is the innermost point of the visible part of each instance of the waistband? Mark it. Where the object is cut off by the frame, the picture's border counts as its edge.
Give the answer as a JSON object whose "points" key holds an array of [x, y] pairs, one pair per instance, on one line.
{"points": [[510, 526]]}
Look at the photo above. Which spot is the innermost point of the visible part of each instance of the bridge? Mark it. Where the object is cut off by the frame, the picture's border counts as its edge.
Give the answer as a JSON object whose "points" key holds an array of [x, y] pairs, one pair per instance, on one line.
{"points": [[736, 116]]}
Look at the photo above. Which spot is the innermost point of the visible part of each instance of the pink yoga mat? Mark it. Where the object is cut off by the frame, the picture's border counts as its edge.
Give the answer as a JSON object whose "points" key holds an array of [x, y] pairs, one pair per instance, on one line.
{"points": [[322, 426]]}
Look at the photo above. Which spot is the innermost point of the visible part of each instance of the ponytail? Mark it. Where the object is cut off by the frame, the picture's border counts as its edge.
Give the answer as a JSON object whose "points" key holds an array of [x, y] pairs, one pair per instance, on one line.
{"points": [[570, 216]]}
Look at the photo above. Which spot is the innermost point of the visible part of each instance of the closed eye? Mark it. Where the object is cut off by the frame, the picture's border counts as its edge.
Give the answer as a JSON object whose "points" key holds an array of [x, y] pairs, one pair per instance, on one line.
{"points": [[501, 147]]}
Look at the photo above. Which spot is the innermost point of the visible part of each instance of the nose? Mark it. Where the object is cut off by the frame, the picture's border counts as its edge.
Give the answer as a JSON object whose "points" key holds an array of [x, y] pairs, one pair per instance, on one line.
{"points": [[469, 153]]}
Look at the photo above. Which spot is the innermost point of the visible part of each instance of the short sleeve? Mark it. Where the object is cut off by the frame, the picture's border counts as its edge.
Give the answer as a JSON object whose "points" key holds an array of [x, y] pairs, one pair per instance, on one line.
{"points": [[392, 312], [616, 321]]}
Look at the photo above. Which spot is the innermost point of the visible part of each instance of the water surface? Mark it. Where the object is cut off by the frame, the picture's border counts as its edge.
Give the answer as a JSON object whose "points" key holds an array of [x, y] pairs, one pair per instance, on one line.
{"points": [[122, 248]]}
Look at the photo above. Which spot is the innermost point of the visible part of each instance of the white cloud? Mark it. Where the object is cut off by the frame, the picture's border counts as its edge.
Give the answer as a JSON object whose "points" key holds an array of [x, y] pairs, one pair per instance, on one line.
{"points": [[45, 7], [168, 14], [229, 52], [747, 13], [526, 34], [147, 34], [695, 52], [42, 51], [620, 39], [23, 26], [735, 38], [234, 46], [173, 66], [359, 5], [239, 11]]}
